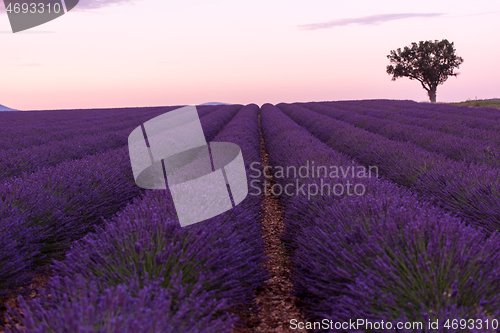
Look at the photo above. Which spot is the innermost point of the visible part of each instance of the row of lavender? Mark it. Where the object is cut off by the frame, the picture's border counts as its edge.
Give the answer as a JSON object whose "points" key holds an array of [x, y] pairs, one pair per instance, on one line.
{"points": [[471, 191], [28, 129], [464, 114], [14, 162], [42, 213], [452, 146], [65, 120], [448, 125], [142, 272], [384, 255]]}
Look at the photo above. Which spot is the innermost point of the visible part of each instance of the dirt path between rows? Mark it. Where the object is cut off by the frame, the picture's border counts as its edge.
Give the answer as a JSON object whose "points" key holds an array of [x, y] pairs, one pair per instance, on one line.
{"points": [[277, 306], [30, 292]]}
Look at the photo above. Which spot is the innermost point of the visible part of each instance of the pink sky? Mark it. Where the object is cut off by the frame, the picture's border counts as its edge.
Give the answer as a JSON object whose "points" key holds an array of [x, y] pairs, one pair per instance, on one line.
{"points": [[153, 52]]}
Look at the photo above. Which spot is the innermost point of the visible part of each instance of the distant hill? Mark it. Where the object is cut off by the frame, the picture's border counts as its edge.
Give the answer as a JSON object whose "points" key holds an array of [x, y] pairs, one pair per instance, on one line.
{"points": [[494, 102], [4, 108], [216, 103]]}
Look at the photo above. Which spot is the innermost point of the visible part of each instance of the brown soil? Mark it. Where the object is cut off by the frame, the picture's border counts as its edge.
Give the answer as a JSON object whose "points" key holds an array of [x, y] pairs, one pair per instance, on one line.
{"points": [[38, 281], [277, 306]]}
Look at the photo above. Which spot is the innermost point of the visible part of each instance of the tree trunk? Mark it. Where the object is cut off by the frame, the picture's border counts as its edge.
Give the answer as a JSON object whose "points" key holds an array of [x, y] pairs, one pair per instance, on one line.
{"points": [[432, 94]]}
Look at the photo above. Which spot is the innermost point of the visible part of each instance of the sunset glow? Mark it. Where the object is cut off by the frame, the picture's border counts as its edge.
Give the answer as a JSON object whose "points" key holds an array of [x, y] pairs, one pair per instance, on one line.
{"points": [[153, 52]]}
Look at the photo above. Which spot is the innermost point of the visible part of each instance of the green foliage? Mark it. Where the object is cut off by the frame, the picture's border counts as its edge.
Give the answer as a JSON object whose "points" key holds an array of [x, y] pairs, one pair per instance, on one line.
{"points": [[493, 103], [430, 63]]}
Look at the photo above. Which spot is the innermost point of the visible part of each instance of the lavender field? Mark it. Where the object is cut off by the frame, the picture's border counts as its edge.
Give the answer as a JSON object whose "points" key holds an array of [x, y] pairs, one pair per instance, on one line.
{"points": [[395, 223]]}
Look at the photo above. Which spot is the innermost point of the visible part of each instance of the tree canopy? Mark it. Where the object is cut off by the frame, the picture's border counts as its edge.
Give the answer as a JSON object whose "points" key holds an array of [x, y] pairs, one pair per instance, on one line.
{"points": [[429, 62]]}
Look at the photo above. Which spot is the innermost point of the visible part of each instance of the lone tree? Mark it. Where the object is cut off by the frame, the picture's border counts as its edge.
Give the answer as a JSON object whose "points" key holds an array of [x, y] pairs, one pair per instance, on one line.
{"points": [[428, 62]]}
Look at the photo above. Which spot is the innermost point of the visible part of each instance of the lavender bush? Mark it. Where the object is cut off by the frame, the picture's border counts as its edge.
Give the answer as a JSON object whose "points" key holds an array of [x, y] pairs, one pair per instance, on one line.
{"points": [[390, 110], [33, 128], [14, 162], [69, 200], [384, 255], [18, 250], [204, 269], [471, 191], [454, 147], [463, 114], [126, 308], [389, 257]]}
